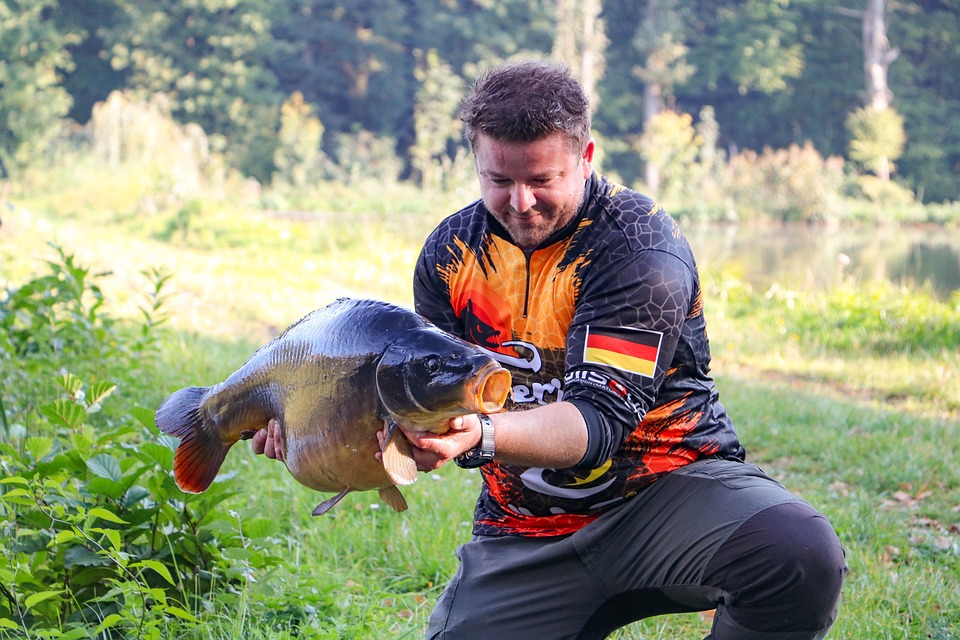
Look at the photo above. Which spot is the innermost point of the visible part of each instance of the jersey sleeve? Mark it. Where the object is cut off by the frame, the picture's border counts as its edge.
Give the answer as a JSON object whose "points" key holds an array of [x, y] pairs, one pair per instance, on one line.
{"points": [[629, 320]]}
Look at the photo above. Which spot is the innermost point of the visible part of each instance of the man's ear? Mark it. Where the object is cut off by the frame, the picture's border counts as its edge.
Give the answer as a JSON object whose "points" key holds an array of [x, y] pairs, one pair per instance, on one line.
{"points": [[588, 157]]}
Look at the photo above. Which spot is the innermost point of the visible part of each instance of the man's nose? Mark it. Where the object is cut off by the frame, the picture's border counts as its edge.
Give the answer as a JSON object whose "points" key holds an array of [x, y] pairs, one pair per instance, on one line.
{"points": [[522, 198]]}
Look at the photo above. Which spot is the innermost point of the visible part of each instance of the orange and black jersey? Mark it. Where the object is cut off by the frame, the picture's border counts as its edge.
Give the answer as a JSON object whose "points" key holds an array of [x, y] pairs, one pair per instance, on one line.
{"points": [[606, 314]]}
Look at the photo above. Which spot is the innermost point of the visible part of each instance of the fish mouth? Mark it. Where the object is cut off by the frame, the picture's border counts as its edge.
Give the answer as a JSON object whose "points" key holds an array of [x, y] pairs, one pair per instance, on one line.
{"points": [[491, 386]]}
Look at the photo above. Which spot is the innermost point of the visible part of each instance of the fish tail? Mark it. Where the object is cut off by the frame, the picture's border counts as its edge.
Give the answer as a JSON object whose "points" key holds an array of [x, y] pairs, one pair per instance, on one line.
{"points": [[201, 452]]}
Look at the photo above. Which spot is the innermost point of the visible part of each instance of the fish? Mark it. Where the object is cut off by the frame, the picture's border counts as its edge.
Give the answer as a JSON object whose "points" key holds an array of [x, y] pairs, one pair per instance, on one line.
{"points": [[332, 380]]}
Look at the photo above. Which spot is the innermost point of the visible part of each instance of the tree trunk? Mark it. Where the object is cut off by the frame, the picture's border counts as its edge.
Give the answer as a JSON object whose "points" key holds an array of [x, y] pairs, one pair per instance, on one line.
{"points": [[652, 97], [877, 56]]}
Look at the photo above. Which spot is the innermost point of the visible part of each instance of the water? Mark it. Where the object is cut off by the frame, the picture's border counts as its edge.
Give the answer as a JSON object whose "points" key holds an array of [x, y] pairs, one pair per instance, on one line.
{"points": [[812, 259]]}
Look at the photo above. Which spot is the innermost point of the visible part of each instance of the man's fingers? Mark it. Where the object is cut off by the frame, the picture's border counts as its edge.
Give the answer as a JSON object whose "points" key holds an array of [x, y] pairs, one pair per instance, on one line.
{"points": [[259, 441]]}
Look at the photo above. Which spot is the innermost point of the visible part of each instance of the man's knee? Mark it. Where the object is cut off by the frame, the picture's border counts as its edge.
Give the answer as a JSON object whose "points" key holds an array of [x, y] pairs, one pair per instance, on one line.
{"points": [[783, 570]]}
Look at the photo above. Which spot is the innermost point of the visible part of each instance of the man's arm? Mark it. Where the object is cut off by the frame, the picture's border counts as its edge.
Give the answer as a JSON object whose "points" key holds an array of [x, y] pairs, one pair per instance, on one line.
{"points": [[552, 436]]}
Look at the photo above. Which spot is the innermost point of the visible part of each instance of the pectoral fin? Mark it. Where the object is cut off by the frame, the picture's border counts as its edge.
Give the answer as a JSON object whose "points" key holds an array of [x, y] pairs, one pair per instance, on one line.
{"points": [[398, 457], [324, 506], [392, 496]]}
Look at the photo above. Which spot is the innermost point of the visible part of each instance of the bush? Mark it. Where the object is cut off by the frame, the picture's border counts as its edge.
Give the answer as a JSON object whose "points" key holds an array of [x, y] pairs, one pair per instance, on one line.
{"points": [[793, 184], [97, 536]]}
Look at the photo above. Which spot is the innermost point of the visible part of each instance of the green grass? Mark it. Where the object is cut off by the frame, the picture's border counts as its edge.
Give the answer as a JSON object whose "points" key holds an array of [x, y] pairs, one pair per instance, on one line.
{"points": [[868, 434]]}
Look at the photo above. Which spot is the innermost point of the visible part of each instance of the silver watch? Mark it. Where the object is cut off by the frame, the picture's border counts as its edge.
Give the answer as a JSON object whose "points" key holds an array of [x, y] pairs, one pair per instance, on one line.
{"points": [[484, 451]]}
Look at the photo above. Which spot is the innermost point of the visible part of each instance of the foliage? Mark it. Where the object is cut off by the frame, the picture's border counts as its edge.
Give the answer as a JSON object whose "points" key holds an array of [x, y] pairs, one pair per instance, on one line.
{"points": [[435, 119], [792, 184], [875, 137], [298, 155], [671, 142], [33, 55], [101, 541]]}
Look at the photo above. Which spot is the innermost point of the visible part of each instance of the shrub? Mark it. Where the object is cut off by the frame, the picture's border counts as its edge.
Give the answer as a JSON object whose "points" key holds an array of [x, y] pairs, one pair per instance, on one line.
{"points": [[98, 539]]}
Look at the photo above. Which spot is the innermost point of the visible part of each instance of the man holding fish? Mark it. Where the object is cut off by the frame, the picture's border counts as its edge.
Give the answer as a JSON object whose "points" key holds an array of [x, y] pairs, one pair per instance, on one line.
{"points": [[615, 486]]}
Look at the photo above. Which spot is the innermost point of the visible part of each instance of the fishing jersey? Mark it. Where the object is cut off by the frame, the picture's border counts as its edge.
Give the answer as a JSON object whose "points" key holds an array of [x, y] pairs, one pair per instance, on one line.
{"points": [[606, 314]]}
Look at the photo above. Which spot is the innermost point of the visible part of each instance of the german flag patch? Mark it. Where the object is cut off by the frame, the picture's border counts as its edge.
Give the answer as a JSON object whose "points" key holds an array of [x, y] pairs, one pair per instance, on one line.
{"points": [[630, 350]]}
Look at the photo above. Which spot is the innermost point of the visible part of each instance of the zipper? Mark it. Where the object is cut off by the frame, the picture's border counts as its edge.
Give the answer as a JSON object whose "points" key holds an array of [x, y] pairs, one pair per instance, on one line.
{"points": [[526, 293]]}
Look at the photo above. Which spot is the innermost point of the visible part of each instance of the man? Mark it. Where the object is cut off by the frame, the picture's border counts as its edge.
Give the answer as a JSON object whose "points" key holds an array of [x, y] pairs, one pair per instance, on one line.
{"points": [[621, 492]]}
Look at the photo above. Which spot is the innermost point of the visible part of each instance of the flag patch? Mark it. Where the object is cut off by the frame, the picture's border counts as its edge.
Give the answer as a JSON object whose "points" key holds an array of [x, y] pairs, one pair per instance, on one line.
{"points": [[631, 350]]}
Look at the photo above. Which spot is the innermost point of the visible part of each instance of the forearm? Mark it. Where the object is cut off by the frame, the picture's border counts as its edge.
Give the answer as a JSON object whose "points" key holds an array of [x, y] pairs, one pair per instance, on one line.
{"points": [[552, 436]]}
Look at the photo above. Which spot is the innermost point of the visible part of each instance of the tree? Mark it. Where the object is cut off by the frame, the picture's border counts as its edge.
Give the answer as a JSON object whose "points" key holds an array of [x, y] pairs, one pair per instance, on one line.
{"points": [[33, 57], [435, 117], [665, 66], [205, 56]]}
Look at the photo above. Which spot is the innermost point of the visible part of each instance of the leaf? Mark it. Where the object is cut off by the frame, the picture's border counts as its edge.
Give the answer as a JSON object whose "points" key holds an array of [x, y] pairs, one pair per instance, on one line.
{"points": [[105, 466], [36, 598], [70, 383], [6, 623], [180, 613], [80, 556], [110, 621], [104, 514], [65, 536], [65, 413], [38, 447], [143, 415], [159, 454], [159, 567], [98, 391]]}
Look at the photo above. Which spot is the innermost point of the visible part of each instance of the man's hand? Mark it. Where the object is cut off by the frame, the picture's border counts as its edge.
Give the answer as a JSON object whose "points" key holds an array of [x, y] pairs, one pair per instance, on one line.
{"points": [[268, 441], [432, 450]]}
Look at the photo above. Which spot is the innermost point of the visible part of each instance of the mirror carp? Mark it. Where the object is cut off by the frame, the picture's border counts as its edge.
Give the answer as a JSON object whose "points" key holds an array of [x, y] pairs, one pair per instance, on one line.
{"points": [[332, 380]]}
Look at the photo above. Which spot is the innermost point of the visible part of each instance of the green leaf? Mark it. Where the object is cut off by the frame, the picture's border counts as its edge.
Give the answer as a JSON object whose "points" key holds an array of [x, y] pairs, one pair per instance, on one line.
{"points": [[180, 613], [70, 383], [80, 556], [38, 447], [143, 415], [110, 621], [105, 466], [65, 536], [15, 480], [98, 391], [65, 413], [159, 567], [159, 454], [36, 598], [112, 534], [104, 514], [6, 623]]}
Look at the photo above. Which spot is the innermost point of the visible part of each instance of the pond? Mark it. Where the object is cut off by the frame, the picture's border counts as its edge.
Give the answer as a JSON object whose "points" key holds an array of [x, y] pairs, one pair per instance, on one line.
{"points": [[806, 258]]}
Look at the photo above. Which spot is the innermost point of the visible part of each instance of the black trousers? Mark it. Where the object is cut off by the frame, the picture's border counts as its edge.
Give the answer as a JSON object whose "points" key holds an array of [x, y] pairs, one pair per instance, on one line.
{"points": [[715, 535]]}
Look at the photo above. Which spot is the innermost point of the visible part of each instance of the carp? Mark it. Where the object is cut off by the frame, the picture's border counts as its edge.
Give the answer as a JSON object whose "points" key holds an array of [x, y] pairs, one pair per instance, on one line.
{"points": [[332, 380]]}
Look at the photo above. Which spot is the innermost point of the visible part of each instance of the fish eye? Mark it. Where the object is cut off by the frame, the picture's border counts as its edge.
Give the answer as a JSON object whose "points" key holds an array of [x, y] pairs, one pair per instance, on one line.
{"points": [[433, 364]]}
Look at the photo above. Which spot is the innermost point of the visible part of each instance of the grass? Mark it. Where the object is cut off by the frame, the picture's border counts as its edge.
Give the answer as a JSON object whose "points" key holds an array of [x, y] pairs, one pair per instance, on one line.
{"points": [[867, 435]]}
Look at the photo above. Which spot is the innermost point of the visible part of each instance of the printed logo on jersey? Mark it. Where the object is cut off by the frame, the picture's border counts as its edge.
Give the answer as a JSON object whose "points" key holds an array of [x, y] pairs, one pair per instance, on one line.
{"points": [[562, 484], [627, 349]]}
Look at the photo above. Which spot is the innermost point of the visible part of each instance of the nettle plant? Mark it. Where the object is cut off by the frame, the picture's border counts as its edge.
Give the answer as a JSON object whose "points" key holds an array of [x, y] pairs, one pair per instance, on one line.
{"points": [[98, 541]]}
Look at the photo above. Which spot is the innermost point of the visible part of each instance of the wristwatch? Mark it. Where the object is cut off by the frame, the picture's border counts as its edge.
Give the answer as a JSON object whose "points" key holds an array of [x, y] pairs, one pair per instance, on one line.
{"points": [[484, 451]]}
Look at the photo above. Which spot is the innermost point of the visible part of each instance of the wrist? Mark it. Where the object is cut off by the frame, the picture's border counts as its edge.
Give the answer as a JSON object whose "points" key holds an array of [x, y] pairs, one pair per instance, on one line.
{"points": [[484, 451]]}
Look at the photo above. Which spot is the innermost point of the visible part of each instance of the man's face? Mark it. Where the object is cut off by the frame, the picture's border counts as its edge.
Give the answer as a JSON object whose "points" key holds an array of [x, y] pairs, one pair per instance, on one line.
{"points": [[532, 188]]}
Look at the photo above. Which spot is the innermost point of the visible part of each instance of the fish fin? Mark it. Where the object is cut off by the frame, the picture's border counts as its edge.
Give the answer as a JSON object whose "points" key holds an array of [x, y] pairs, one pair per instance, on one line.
{"points": [[325, 506], [200, 453], [392, 496], [398, 456]]}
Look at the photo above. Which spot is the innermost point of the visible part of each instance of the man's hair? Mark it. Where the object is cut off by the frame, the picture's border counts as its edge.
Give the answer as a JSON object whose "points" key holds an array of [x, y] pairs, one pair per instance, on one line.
{"points": [[527, 101]]}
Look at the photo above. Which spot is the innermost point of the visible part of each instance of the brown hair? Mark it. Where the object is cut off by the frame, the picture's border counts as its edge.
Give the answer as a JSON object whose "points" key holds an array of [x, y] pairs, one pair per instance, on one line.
{"points": [[527, 101]]}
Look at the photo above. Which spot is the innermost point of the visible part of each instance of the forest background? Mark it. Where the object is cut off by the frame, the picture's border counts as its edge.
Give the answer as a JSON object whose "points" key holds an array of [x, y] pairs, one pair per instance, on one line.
{"points": [[799, 110], [183, 179]]}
